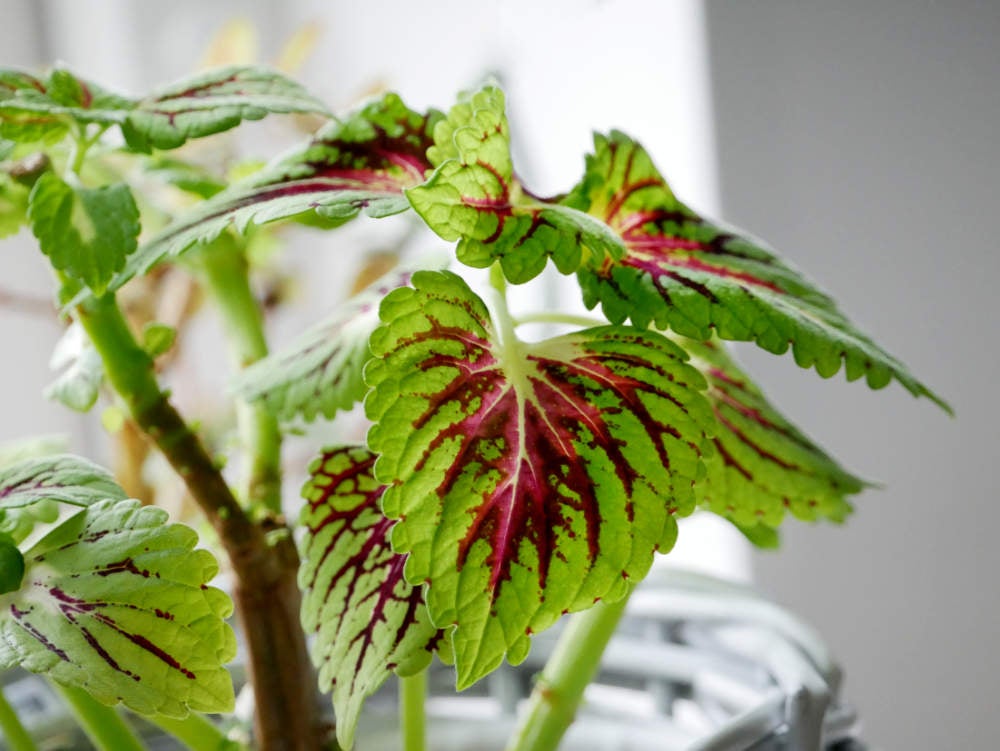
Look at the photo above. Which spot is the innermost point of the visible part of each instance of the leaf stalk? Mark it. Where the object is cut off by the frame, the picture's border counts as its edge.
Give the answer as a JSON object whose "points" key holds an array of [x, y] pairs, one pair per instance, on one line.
{"points": [[225, 272], [103, 725], [571, 667], [412, 711]]}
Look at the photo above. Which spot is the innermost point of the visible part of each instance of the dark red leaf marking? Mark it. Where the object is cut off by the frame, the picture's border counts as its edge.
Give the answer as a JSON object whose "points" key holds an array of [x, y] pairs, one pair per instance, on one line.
{"points": [[373, 562], [553, 419]]}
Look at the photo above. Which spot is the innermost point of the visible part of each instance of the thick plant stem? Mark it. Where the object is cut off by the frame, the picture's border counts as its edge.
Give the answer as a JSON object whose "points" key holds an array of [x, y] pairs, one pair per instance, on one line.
{"points": [[572, 666], [15, 735], [412, 713], [226, 276], [103, 725], [263, 555], [196, 732]]}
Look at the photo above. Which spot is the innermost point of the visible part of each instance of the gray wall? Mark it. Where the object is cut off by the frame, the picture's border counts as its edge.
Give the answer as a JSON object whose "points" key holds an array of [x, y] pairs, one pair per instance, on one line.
{"points": [[861, 140]]}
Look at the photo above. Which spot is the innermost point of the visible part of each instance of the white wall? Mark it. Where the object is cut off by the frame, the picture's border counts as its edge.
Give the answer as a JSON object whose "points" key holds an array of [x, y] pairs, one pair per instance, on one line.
{"points": [[861, 139]]}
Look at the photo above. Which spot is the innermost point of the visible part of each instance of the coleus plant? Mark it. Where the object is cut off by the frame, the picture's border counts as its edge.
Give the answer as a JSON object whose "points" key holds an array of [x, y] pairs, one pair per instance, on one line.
{"points": [[503, 484]]}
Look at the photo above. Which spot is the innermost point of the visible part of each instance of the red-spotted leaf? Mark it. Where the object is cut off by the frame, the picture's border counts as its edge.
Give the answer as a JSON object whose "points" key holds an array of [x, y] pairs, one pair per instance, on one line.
{"points": [[34, 490], [473, 197], [212, 102], [684, 272], [529, 480], [114, 601], [320, 372], [359, 164], [367, 620], [763, 464]]}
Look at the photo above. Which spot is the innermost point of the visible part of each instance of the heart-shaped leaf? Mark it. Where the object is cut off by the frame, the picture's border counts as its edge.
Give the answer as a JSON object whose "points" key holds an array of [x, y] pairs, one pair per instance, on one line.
{"points": [[367, 620], [763, 464], [212, 102], [473, 197], [320, 372], [361, 163], [87, 233], [683, 272], [529, 480], [114, 601]]}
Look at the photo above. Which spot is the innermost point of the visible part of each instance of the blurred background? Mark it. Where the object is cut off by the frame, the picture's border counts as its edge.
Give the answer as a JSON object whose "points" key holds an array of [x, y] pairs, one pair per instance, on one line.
{"points": [[858, 138]]}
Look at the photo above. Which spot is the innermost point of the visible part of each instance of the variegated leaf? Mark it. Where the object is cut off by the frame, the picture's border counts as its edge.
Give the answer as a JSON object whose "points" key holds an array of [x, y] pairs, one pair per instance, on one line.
{"points": [[683, 272], [212, 102], [473, 197], [114, 601], [32, 490], [320, 372], [529, 480], [763, 464], [361, 163], [367, 620]]}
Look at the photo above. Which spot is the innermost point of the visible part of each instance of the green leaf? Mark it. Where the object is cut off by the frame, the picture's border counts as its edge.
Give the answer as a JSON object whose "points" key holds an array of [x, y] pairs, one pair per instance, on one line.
{"points": [[114, 601], [34, 489], [158, 338], [529, 480], [473, 197], [87, 233], [763, 464], [11, 565], [684, 272], [320, 372], [32, 109], [360, 164], [760, 536], [185, 176], [367, 620], [212, 102], [13, 205], [79, 384]]}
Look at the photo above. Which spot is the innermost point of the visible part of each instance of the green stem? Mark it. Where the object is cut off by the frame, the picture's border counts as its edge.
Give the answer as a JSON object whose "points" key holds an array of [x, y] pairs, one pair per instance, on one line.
{"points": [[130, 370], [81, 145], [572, 666], [412, 715], [102, 724], [226, 275], [196, 732], [15, 735]]}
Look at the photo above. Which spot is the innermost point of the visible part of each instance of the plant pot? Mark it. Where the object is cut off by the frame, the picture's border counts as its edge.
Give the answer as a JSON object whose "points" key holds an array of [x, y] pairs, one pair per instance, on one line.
{"points": [[698, 664]]}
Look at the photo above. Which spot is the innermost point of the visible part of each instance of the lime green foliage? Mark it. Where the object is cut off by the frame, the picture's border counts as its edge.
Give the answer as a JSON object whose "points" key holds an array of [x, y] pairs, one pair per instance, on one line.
{"points": [[320, 372], [528, 480], [86, 232], [368, 621], [473, 197], [691, 275], [763, 464], [114, 602], [212, 102]]}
